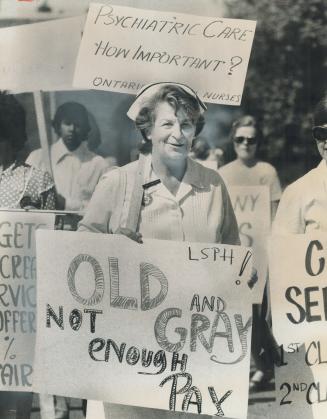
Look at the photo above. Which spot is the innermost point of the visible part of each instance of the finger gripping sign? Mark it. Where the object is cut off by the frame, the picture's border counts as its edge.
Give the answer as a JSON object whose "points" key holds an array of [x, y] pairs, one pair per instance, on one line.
{"points": [[151, 325], [18, 296], [124, 48], [298, 283]]}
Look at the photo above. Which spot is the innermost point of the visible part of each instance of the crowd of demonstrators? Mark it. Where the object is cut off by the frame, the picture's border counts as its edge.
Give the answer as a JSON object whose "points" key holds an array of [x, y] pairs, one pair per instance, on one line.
{"points": [[184, 197]]}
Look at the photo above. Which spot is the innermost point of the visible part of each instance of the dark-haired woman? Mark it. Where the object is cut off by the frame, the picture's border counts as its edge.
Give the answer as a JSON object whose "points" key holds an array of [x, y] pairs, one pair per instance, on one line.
{"points": [[303, 206], [76, 169], [248, 170], [21, 186]]}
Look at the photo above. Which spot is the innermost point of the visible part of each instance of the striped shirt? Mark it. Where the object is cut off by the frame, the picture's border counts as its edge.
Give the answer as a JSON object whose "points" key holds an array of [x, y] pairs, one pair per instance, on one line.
{"points": [[201, 211]]}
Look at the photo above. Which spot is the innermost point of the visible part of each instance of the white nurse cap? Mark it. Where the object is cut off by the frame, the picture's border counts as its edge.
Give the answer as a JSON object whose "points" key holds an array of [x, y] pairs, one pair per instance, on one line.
{"points": [[149, 90]]}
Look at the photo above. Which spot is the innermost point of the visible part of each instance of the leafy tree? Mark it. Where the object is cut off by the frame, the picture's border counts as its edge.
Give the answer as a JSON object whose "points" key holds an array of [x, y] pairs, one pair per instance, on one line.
{"points": [[286, 75]]}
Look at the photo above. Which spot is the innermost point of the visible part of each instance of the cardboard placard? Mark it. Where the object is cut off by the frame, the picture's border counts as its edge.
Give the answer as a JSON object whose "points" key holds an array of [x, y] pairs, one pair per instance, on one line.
{"points": [[251, 205], [27, 65], [18, 296], [124, 48], [299, 312], [124, 322]]}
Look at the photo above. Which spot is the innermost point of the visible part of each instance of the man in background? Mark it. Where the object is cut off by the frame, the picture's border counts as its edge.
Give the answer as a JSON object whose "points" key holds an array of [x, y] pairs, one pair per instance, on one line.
{"points": [[76, 170]]}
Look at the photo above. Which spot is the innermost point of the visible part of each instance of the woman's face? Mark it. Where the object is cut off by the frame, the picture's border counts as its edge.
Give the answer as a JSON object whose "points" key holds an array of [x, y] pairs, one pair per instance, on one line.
{"points": [[245, 144], [172, 133], [71, 134], [321, 141]]}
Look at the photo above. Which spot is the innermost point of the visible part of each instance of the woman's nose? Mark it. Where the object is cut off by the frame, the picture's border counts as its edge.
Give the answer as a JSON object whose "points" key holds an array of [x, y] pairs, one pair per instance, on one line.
{"points": [[177, 131]]}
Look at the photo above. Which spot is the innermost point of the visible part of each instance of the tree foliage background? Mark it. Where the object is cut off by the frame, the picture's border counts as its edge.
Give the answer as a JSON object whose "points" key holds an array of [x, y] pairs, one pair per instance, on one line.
{"points": [[286, 76]]}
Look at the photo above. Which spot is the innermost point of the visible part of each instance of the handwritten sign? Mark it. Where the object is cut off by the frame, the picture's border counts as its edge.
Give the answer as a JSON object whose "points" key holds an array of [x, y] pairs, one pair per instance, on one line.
{"points": [[18, 296], [40, 56], [298, 285], [160, 325], [251, 205], [124, 48]]}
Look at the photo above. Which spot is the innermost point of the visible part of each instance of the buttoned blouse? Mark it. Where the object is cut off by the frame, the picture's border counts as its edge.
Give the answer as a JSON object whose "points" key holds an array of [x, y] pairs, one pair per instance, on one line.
{"points": [[201, 211], [23, 182], [76, 173], [303, 206]]}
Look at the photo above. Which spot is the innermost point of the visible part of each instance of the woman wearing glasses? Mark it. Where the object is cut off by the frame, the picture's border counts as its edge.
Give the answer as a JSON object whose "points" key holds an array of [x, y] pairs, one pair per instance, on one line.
{"points": [[303, 206], [248, 170]]}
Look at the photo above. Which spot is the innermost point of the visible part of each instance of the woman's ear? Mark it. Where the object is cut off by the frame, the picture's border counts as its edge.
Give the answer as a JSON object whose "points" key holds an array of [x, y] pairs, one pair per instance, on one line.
{"points": [[147, 132]]}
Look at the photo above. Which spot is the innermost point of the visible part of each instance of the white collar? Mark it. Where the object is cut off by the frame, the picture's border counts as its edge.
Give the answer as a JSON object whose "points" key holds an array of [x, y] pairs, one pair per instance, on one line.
{"points": [[59, 150]]}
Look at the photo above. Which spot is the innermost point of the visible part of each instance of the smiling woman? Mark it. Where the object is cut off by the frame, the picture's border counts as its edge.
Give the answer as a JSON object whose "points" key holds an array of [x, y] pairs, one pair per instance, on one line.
{"points": [[182, 200]]}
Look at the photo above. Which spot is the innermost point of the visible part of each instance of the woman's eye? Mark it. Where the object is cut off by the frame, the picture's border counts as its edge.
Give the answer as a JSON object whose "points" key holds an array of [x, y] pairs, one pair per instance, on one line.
{"points": [[187, 125]]}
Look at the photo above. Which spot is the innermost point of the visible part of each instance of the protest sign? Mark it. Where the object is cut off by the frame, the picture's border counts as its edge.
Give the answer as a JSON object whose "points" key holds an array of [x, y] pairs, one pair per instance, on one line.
{"points": [[164, 325], [40, 56], [124, 48], [18, 296], [251, 205], [299, 313]]}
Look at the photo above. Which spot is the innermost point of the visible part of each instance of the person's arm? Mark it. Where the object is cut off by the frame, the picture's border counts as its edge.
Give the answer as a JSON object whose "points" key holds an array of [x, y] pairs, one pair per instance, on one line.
{"points": [[103, 201], [289, 217], [48, 193]]}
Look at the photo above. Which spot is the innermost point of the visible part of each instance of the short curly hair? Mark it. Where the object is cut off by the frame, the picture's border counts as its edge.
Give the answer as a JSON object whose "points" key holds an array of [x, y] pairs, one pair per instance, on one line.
{"points": [[12, 121], [178, 98], [71, 112]]}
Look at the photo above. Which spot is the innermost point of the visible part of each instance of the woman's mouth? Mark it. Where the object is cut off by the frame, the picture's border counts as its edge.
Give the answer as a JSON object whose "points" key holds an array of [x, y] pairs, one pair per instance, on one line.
{"points": [[175, 144]]}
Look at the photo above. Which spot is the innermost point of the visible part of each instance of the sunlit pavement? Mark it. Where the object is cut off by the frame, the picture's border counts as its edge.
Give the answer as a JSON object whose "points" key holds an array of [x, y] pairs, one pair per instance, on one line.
{"points": [[261, 403]]}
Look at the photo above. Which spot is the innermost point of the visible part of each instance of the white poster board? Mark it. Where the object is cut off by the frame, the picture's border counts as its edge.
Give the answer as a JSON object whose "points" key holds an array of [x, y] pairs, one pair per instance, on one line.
{"points": [[251, 205], [40, 56], [124, 48], [124, 322], [18, 296], [298, 288]]}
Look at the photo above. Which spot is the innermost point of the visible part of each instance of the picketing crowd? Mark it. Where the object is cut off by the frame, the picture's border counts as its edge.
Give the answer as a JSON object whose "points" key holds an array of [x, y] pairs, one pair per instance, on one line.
{"points": [[177, 189]]}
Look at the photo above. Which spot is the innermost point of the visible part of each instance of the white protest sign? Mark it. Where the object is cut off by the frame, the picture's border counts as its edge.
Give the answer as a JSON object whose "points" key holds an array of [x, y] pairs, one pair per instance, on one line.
{"points": [[18, 296], [298, 289], [251, 205], [124, 48], [127, 323], [40, 56]]}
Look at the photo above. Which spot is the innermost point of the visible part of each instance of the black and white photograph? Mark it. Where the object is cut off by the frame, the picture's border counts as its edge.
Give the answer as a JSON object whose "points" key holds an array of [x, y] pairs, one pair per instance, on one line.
{"points": [[163, 202]]}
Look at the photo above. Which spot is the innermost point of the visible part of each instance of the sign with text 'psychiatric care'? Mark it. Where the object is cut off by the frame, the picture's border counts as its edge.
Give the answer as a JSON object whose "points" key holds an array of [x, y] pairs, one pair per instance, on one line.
{"points": [[124, 48], [161, 324], [18, 296], [298, 285]]}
